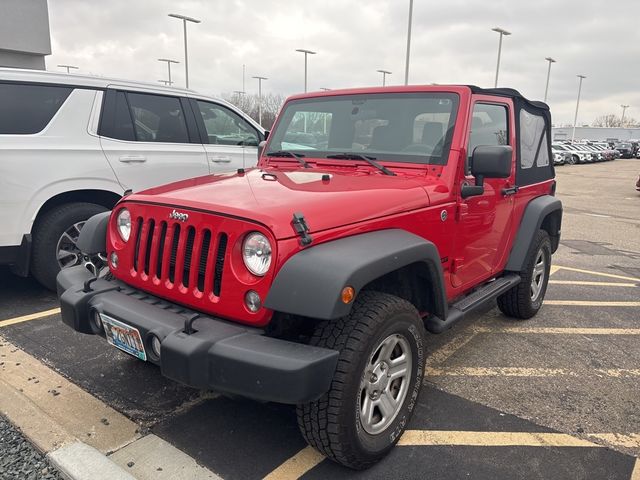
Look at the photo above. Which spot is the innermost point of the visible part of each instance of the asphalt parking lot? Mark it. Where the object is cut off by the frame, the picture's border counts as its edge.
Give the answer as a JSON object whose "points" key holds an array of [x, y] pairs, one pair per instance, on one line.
{"points": [[556, 396]]}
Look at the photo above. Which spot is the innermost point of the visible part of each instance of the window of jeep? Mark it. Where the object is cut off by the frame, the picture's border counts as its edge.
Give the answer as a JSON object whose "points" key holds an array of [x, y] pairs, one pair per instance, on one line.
{"points": [[398, 127], [489, 126]]}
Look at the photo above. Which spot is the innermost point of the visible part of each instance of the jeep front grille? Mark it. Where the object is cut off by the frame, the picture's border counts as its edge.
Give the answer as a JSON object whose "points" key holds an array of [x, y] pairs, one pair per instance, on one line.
{"points": [[182, 255]]}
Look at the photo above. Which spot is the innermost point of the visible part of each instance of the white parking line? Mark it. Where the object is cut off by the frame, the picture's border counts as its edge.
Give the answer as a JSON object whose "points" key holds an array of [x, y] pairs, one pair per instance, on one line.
{"points": [[559, 330], [592, 284], [590, 303], [527, 372]]}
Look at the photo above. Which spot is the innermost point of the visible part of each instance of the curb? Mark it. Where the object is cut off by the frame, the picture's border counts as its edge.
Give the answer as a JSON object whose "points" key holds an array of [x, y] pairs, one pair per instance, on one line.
{"points": [[79, 461]]}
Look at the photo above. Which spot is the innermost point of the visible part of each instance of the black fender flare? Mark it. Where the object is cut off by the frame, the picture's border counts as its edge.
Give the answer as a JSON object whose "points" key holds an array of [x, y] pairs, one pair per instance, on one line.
{"points": [[93, 236], [534, 215], [311, 281]]}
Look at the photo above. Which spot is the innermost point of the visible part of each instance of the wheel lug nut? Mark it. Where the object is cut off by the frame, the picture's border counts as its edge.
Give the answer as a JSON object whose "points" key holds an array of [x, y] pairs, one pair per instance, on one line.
{"points": [[374, 378]]}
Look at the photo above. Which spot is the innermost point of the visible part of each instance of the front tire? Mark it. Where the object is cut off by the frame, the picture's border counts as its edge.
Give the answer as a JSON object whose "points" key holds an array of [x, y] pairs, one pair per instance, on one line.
{"points": [[377, 381], [54, 237], [525, 299]]}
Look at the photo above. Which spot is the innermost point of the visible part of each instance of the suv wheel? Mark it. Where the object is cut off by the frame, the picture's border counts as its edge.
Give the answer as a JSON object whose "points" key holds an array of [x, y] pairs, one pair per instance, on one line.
{"points": [[525, 299], [54, 240], [377, 381], [572, 159]]}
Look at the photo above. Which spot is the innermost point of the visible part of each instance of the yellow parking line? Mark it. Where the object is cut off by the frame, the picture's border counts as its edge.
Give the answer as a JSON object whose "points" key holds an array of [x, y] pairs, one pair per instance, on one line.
{"points": [[628, 440], [526, 372], [296, 466], [27, 318], [592, 284], [448, 349], [590, 303], [561, 330], [491, 439], [635, 475], [591, 272], [554, 269], [496, 372]]}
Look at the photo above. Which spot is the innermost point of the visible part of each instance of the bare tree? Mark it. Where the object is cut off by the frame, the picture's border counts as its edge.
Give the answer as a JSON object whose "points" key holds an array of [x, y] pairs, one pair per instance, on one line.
{"points": [[271, 104], [613, 120]]}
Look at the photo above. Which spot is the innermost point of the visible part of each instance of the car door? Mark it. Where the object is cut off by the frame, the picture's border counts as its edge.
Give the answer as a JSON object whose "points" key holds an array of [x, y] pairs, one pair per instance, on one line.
{"points": [[230, 141], [484, 221], [150, 139]]}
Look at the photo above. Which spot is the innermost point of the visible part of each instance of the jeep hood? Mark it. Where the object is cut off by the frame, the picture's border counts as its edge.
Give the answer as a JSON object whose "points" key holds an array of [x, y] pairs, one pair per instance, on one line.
{"points": [[272, 196]]}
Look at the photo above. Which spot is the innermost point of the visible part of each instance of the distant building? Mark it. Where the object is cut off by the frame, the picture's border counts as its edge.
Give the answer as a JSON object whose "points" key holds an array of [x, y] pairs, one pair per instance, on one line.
{"points": [[24, 33], [611, 134]]}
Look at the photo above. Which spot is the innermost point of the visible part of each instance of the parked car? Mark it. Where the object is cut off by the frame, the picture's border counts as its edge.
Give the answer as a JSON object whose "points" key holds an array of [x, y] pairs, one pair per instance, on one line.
{"points": [[71, 145], [574, 156], [311, 279], [625, 149]]}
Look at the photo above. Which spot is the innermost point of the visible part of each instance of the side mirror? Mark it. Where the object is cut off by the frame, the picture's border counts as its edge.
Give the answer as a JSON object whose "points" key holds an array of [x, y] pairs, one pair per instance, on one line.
{"points": [[261, 147], [488, 161]]}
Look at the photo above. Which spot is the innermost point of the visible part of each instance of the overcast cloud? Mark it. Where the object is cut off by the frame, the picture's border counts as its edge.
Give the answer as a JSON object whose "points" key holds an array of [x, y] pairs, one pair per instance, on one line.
{"points": [[452, 43]]}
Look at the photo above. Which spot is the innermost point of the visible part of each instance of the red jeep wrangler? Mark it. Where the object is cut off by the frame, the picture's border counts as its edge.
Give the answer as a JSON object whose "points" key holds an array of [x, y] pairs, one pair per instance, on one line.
{"points": [[373, 214]]}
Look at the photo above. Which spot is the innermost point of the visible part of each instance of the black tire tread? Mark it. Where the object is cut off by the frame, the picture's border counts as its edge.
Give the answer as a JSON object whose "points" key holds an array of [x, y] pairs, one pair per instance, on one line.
{"points": [[319, 421], [516, 302], [41, 265]]}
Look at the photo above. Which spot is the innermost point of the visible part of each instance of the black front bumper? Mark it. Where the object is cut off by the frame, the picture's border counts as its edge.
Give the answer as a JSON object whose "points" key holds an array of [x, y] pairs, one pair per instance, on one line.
{"points": [[219, 355]]}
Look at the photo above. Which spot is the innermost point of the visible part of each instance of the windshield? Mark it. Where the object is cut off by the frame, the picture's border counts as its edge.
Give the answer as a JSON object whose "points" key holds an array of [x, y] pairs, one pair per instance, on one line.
{"points": [[399, 127]]}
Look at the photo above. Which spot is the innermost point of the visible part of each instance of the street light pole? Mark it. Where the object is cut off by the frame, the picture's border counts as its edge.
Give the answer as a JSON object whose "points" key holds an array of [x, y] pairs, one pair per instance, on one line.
{"points": [[186, 55], [546, 88], [406, 63], [169, 62], [624, 109], [260, 97], [68, 67], [306, 53], [575, 119], [384, 76], [502, 33]]}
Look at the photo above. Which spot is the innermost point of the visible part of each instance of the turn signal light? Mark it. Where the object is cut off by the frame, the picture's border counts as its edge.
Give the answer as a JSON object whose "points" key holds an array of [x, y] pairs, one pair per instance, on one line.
{"points": [[348, 294]]}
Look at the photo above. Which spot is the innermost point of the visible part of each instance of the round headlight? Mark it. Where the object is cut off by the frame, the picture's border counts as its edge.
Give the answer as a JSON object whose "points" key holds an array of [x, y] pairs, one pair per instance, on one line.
{"points": [[256, 253], [123, 222]]}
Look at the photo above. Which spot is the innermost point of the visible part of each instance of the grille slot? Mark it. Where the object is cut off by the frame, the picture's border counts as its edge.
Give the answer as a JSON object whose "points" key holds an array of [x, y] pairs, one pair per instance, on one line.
{"points": [[137, 248], [147, 255], [163, 235], [204, 255], [174, 253], [217, 275], [188, 253]]}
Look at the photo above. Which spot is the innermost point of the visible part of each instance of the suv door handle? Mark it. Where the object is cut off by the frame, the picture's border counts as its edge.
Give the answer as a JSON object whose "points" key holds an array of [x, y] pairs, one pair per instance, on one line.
{"points": [[133, 159], [220, 159], [510, 190]]}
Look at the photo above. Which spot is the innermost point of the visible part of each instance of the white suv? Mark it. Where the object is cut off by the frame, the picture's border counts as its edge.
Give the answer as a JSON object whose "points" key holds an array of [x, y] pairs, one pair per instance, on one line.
{"points": [[71, 146]]}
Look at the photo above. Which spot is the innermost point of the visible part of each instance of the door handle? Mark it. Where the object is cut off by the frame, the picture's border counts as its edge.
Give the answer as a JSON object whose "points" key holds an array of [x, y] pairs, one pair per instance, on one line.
{"points": [[133, 159], [510, 191], [220, 159]]}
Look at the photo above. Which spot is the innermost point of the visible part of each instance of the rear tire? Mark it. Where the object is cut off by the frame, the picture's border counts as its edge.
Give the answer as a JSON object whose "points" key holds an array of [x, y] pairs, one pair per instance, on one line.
{"points": [[352, 423], [525, 299], [48, 234]]}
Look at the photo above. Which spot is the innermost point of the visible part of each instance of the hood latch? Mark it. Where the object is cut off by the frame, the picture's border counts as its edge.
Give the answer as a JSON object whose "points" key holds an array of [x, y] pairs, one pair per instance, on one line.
{"points": [[302, 229]]}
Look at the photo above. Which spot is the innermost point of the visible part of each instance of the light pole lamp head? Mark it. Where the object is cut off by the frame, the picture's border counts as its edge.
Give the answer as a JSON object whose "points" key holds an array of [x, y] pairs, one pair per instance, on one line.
{"points": [[168, 60], [257, 77], [303, 50], [183, 17], [386, 72], [501, 31], [581, 76], [550, 60]]}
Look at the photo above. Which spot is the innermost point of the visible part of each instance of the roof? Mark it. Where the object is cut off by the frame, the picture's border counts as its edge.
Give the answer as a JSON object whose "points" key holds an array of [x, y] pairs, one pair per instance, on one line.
{"points": [[25, 75], [502, 92]]}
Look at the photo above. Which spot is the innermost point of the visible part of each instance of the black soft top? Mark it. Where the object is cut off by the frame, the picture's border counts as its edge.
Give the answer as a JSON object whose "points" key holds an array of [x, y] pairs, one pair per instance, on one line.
{"points": [[508, 92]]}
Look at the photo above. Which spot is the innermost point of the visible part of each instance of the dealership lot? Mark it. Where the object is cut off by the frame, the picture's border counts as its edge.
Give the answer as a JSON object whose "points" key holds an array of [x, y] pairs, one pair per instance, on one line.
{"points": [[555, 396]]}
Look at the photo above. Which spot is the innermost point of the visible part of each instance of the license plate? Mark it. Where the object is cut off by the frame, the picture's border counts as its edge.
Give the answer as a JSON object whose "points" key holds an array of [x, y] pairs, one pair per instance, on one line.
{"points": [[123, 336]]}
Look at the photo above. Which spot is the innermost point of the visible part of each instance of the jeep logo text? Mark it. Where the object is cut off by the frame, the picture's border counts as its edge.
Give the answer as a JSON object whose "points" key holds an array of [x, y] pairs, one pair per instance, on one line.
{"points": [[182, 217]]}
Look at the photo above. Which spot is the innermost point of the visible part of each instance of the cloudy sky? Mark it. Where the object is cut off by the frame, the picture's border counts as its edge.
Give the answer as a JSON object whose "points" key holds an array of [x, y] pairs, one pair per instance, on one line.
{"points": [[452, 43]]}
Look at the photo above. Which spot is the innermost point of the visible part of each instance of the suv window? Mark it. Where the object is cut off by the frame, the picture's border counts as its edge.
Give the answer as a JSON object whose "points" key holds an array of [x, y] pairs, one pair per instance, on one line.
{"points": [[534, 147], [489, 126], [226, 127], [27, 109], [157, 118]]}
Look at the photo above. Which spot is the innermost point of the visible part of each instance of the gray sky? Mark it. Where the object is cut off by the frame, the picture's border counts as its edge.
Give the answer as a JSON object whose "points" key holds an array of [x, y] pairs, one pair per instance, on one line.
{"points": [[452, 43]]}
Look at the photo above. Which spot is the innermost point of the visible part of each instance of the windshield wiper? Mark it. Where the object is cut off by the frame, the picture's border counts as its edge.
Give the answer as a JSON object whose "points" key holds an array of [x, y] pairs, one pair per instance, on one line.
{"points": [[356, 156], [287, 153]]}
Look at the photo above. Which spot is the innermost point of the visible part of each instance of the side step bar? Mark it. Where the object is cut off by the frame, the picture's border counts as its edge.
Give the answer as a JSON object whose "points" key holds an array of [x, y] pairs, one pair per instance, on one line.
{"points": [[463, 307]]}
